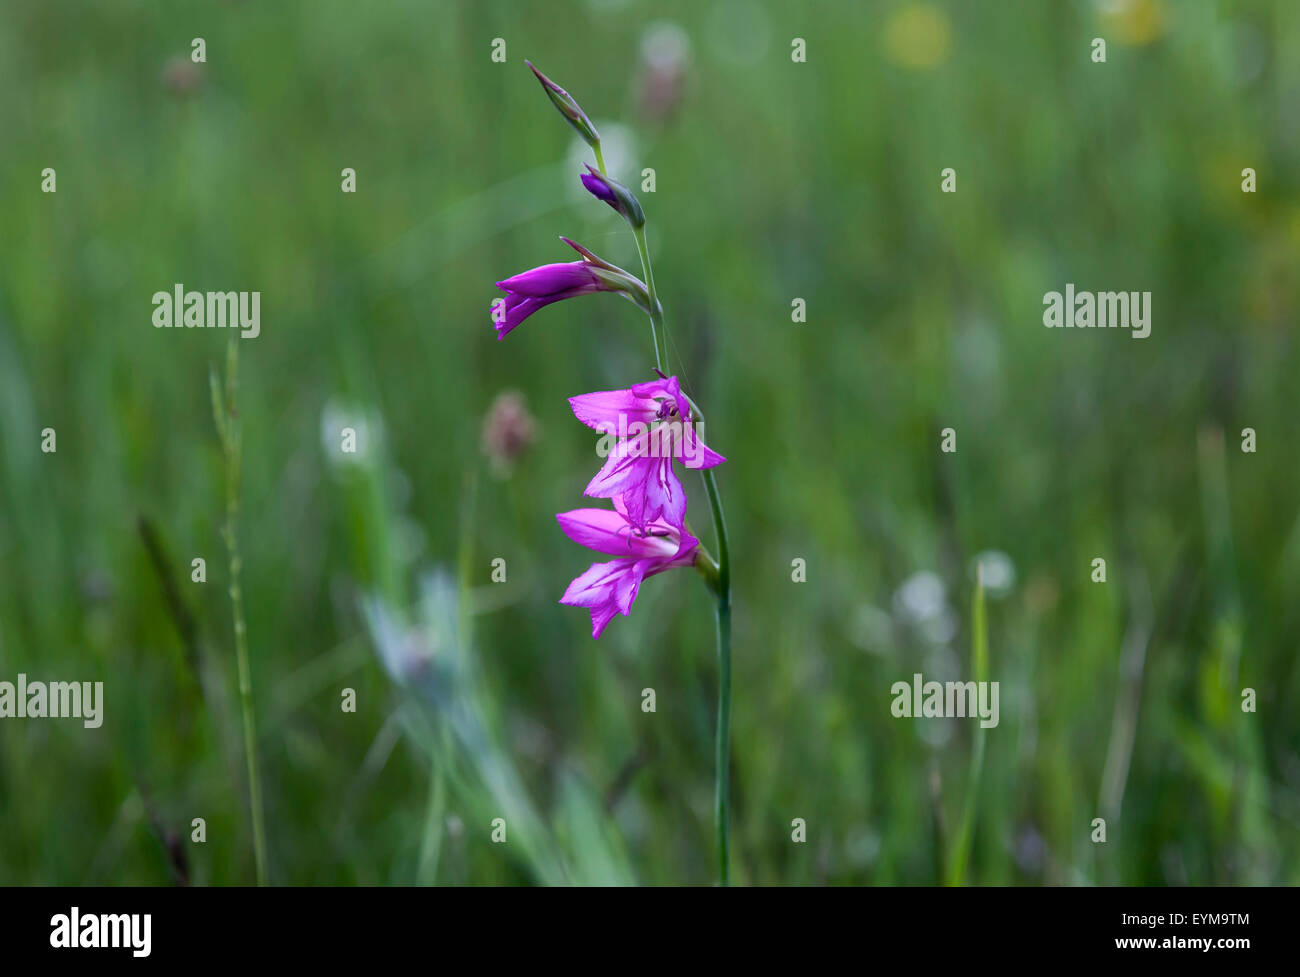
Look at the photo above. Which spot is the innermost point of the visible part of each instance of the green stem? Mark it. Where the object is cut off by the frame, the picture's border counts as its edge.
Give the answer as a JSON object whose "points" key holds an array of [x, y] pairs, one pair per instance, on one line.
{"points": [[228, 427], [719, 577], [959, 858], [431, 847], [722, 742], [658, 334]]}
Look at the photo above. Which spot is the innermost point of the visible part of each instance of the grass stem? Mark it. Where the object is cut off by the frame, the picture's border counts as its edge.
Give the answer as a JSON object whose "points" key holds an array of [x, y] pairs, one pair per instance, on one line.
{"points": [[226, 415]]}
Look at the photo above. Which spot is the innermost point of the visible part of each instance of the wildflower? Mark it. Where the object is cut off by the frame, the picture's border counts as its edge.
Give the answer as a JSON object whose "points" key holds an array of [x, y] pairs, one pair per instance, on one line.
{"points": [[539, 287], [609, 587], [654, 424], [665, 57], [508, 430], [613, 193]]}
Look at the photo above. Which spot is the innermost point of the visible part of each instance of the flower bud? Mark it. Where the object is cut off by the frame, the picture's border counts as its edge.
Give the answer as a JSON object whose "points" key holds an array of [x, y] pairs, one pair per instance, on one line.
{"points": [[615, 194], [570, 109], [539, 287]]}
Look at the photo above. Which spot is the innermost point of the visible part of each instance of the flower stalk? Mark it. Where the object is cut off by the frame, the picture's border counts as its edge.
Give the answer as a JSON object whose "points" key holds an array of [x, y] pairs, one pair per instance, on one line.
{"points": [[722, 740], [646, 532], [717, 573], [959, 856], [658, 333]]}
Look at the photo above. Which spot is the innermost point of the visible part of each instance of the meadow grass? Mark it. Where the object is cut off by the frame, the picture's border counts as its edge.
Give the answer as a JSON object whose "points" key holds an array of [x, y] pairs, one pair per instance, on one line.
{"points": [[775, 181]]}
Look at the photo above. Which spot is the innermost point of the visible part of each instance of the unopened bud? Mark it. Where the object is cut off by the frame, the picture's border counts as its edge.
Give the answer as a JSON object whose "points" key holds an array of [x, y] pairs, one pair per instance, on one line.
{"points": [[570, 109], [615, 194]]}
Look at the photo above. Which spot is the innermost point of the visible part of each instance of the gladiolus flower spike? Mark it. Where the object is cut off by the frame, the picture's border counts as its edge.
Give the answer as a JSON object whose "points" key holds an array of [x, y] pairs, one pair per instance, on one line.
{"points": [[653, 424]]}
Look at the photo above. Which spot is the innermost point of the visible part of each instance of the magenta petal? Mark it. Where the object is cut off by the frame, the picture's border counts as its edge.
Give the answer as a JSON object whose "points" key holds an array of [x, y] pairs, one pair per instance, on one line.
{"points": [[607, 589], [623, 472], [602, 409], [627, 585], [652, 388], [597, 529], [516, 311], [635, 500], [650, 490], [685, 554], [597, 187], [646, 480], [620, 506], [594, 585], [695, 454], [550, 279], [601, 616], [669, 388], [539, 287], [663, 494], [606, 531], [611, 587]]}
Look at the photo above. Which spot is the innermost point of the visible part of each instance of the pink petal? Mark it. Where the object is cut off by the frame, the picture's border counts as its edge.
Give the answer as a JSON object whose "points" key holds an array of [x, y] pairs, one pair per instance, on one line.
{"points": [[607, 589], [654, 492], [601, 616], [695, 454], [552, 279], [685, 554], [626, 586], [654, 388], [595, 585], [602, 409], [606, 531], [663, 494], [665, 388], [623, 471]]}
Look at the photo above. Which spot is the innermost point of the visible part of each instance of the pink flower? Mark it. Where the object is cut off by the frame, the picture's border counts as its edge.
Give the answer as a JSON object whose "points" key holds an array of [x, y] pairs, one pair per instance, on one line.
{"points": [[654, 425], [539, 287], [608, 587]]}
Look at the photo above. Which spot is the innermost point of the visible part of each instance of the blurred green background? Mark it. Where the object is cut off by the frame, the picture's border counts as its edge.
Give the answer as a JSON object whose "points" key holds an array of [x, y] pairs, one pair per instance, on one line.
{"points": [[775, 180]]}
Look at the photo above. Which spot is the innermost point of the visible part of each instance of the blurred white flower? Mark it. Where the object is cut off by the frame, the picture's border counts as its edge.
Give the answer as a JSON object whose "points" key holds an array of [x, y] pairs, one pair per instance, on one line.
{"points": [[665, 46], [664, 62], [349, 435], [920, 597], [997, 571]]}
